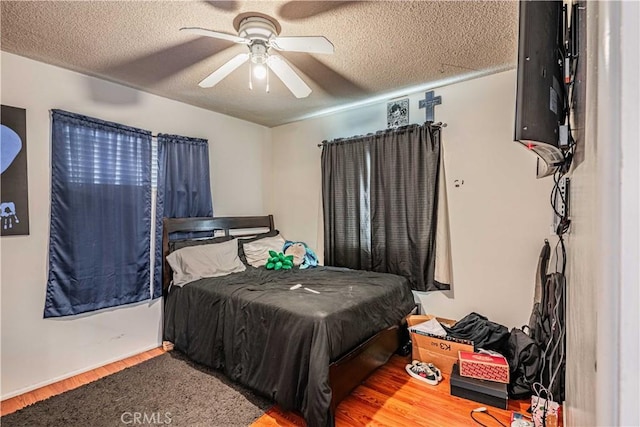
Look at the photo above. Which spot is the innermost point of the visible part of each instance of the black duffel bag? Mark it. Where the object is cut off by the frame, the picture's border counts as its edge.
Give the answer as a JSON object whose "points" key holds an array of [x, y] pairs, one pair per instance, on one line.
{"points": [[483, 332]]}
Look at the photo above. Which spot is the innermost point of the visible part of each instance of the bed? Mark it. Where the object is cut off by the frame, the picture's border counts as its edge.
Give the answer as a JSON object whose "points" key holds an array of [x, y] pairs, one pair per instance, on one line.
{"points": [[305, 350]]}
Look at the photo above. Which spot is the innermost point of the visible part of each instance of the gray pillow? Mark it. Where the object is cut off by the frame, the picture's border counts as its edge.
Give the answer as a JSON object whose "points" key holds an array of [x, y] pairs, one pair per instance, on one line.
{"points": [[241, 242], [257, 252], [213, 260]]}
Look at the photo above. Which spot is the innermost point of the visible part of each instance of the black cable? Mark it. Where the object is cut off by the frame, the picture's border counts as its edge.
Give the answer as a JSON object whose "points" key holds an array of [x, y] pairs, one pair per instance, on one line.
{"points": [[555, 251], [478, 422], [556, 356], [563, 253], [486, 412], [557, 176]]}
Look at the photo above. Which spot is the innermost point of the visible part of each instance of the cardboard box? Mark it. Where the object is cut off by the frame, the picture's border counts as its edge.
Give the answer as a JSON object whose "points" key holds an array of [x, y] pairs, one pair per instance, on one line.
{"points": [[484, 366], [481, 391], [442, 352]]}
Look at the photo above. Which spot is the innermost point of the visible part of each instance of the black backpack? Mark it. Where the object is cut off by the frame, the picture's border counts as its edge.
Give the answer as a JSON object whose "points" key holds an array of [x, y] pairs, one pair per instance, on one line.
{"points": [[523, 356], [546, 326]]}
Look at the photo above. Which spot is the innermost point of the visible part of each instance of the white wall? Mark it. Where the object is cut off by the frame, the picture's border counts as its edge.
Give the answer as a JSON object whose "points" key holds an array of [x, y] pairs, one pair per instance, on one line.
{"points": [[628, 314], [499, 218], [36, 351], [603, 342], [583, 249]]}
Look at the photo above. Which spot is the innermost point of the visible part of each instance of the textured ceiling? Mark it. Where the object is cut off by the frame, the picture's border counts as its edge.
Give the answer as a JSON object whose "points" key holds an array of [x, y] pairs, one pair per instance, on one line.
{"points": [[380, 47]]}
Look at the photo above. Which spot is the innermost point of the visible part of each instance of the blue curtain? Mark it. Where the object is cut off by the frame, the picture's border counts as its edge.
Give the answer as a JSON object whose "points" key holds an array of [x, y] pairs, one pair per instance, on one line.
{"points": [[100, 215], [184, 188]]}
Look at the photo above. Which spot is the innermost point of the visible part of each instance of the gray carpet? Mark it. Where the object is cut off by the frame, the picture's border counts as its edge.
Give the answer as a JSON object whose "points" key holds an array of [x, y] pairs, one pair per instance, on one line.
{"points": [[165, 390]]}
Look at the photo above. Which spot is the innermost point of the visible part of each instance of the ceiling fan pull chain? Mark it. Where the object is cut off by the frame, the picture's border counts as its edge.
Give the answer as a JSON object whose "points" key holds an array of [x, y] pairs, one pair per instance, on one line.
{"points": [[250, 75], [267, 78]]}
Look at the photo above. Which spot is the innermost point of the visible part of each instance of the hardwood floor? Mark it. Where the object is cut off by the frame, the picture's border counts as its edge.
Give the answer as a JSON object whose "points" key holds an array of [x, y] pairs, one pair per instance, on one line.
{"points": [[389, 397], [16, 403]]}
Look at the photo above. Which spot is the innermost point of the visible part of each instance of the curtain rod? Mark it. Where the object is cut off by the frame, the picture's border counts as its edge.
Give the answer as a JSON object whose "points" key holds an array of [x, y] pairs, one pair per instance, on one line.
{"points": [[188, 139], [437, 125], [99, 122]]}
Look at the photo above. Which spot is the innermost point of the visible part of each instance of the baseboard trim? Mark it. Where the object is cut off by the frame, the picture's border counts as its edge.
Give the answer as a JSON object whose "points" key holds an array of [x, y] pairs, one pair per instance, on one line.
{"points": [[77, 372]]}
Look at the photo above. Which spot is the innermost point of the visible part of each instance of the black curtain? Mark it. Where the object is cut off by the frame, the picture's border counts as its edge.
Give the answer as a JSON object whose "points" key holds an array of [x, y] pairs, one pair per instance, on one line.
{"points": [[347, 214], [380, 202]]}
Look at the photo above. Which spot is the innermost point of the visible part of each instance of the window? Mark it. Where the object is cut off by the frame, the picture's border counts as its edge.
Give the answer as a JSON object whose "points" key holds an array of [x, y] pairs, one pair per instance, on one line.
{"points": [[183, 188], [380, 203], [99, 251]]}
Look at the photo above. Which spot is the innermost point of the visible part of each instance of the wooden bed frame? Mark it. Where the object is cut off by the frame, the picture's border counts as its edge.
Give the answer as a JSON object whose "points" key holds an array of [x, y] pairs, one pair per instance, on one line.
{"points": [[346, 373]]}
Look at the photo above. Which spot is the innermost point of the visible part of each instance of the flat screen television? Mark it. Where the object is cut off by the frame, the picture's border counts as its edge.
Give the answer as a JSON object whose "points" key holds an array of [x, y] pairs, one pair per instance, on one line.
{"points": [[540, 99]]}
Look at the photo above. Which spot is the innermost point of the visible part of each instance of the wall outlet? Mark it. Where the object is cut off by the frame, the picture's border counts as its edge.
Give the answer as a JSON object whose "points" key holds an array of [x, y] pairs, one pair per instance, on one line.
{"points": [[561, 202], [419, 308]]}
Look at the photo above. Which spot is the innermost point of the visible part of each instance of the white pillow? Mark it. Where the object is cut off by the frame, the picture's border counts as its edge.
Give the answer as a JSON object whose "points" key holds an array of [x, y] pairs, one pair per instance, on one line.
{"points": [[257, 252], [195, 262]]}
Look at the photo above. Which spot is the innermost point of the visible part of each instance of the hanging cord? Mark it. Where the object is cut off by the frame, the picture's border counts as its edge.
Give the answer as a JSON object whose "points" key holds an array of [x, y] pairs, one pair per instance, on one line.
{"points": [[553, 353], [556, 322], [538, 389], [559, 291]]}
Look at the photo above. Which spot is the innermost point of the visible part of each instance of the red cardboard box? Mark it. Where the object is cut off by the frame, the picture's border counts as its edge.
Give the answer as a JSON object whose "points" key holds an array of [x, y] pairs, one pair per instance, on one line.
{"points": [[484, 366]]}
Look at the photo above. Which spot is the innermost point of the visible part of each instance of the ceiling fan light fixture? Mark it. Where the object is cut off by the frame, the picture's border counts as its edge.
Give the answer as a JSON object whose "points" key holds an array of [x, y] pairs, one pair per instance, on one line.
{"points": [[259, 71], [259, 54]]}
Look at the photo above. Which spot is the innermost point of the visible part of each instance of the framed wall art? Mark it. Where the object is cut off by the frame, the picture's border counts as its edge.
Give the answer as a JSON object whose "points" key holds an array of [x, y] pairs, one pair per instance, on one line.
{"points": [[398, 113], [14, 189]]}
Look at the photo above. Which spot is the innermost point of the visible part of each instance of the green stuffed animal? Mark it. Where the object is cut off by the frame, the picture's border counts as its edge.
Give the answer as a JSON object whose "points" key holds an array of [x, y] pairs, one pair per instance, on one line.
{"points": [[279, 261]]}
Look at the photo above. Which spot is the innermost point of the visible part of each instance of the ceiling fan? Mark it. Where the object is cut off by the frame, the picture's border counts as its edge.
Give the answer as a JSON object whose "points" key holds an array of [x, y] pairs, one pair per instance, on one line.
{"points": [[261, 36]]}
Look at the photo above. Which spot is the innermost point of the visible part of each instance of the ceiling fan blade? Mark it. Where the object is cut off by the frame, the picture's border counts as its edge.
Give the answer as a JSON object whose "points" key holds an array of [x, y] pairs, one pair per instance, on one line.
{"points": [[297, 10], [331, 81], [313, 44], [225, 6], [289, 77], [215, 34], [222, 72], [157, 66]]}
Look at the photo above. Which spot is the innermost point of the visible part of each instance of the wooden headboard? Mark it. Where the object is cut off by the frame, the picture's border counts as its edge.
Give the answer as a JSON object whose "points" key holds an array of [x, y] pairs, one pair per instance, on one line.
{"points": [[224, 224]]}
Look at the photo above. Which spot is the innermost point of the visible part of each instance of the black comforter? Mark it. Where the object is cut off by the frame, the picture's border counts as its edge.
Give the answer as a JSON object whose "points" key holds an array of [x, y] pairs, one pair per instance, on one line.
{"points": [[280, 341]]}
